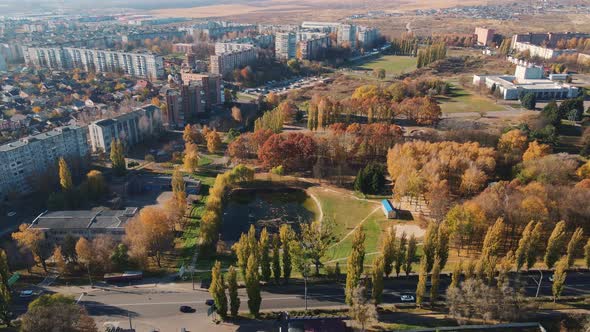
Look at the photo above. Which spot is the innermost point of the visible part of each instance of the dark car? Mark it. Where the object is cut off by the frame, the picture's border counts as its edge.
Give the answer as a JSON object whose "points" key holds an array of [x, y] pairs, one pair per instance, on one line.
{"points": [[186, 309], [209, 302]]}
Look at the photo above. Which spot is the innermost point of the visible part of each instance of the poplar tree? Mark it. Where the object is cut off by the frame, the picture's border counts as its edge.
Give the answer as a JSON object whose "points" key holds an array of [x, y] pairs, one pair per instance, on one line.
{"points": [[253, 286], [523, 246], [422, 276], [217, 290], [388, 250], [354, 267], [456, 276], [492, 244], [410, 255], [276, 258], [470, 269], [559, 278], [286, 234], [429, 246], [264, 249], [555, 244], [377, 279], [535, 243], [232, 287], [117, 157], [505, 267], [573, 245], [587, 253], [400, 253], [65, 176], [442, 245], [435, 280]]}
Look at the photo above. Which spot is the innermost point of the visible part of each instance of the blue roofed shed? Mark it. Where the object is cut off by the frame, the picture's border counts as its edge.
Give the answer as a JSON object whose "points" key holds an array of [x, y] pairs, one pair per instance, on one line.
{"points": [[388, 209]]}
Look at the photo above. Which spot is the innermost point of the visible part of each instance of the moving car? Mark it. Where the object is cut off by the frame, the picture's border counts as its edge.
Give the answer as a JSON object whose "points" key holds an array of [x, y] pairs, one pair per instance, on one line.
{"points": [[26, 293], [407, 298], [209, 302], [187, 309]]}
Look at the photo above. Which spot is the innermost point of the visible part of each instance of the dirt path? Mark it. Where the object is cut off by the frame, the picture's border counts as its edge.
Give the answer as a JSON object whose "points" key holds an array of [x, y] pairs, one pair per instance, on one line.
{"points": [[319, 205], [360, 224]]}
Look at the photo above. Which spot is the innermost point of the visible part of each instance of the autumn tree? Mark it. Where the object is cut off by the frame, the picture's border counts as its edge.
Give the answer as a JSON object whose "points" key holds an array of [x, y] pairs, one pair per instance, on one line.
{"points": [[429, 245], [435, 280], [33, 240], [587, 253], [559, 278], [494, 239], [59, 260], [400, 253], [65, 176], [85, 253], [264, 252], [276, 258], [523, 245], [213, 141], [253, 286], [318, 237], [354, 267], [377, 279], [149, 235], [217, 290], [56, 312], [456, 275], [422, 276], [555, 245], [573, 246], [512, 146], [536, 150], [361, 310], [191, 157], [5, 292], [97, 186]]}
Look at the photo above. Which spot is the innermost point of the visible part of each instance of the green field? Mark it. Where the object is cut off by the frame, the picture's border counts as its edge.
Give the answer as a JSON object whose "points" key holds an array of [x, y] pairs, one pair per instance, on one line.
{"points": [[393, 65], [465, 101]]}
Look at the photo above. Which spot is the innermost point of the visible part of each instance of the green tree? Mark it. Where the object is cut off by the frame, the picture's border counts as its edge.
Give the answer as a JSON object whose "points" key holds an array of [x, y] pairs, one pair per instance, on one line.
{"points": [[535, 244], [377, 279], [286, 234], [120, 256], [529, 101], [410, 255], [318, 236], [276, 258], [559, 278], [69, 248], [555, 244], [573, 246], [400, 253], [442, 245], [429, 246], [492, 243], [264, 249], [388, 250], [217, 290], [456, 276], [232, 288], [422, 277], [354, 267], [253, 286], [65, 176], [435, 280], [5, 297], [118, 157]]}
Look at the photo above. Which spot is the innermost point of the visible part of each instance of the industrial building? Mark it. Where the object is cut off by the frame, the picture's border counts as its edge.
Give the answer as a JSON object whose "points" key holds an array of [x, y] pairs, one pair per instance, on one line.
{"points": [[33, 156], [527, 79]]}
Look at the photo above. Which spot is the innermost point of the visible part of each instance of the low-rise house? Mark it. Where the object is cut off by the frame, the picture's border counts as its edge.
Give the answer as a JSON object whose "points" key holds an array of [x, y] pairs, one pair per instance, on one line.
{"points": [[388, 209], [89, 224]]}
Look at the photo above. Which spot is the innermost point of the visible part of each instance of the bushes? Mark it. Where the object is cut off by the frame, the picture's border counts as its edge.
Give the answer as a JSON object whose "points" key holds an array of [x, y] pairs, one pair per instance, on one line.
{"points": [[529, 101]]}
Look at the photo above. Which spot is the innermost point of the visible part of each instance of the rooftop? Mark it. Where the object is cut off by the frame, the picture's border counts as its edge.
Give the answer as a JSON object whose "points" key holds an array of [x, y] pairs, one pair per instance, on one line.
{"points": [[38, 137], [84, 219]]}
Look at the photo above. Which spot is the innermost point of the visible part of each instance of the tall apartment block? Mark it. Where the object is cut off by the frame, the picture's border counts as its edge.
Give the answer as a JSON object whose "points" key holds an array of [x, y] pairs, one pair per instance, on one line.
{"points": [[347, 35], [131, 128], [32, 156], [484, 36], [285, 45], [225, 63], [145, 65], [367, 37]]}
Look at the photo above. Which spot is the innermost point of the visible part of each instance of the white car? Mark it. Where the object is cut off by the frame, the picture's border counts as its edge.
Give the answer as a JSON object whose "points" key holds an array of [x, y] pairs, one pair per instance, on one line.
{"points": [[407, 298], [26, 293], [551, 278], [11, 214]]}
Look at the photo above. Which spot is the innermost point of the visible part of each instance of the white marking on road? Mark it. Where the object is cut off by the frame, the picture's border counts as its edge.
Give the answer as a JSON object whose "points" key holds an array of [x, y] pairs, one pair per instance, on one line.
{"points": [[80, 298]]}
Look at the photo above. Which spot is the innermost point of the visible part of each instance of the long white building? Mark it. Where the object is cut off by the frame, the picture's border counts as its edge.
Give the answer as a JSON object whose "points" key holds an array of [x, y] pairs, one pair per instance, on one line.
{"points": [[146, 65], [131, 128], [32, 156]]}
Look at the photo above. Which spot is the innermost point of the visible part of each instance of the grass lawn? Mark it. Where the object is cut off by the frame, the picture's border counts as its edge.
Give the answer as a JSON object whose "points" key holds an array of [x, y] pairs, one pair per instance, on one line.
{"points": [[393, 65], [462, 100]]}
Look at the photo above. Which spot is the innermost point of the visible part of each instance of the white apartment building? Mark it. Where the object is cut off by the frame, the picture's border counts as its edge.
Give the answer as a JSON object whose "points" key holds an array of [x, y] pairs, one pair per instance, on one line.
{"points": [[221, 48], [32, 156], [542, 51], [347, 35], [225, 63], [285, 45], [131, 128], [144, 65]]}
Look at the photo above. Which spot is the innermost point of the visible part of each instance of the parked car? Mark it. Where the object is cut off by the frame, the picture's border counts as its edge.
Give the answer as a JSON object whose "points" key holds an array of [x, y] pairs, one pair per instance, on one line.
{"points": [[407, 298], [26, 293], [186, 309], [209, 302]]}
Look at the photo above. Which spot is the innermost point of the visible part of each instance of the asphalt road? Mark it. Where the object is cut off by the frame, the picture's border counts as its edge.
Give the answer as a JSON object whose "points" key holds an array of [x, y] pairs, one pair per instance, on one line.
{"points": [[158, 305]]}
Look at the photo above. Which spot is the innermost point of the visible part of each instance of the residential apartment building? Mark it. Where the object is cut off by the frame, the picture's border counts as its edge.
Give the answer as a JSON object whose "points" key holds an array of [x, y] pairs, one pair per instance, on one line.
{"points": [[347, 35], [314, 48], [484, 36], [285, 45], [131, 128], [212, 86], [225, 63], [183, 48], [221, 48], [367, 37], [33, 156], [549, 39], [146, 65], [541, 51], [175, 117], [56, 225]]}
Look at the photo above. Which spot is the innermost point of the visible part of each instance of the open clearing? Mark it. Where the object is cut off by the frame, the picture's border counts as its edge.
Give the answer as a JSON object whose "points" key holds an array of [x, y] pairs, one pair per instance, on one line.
{"points": [[461, 101], [393, 65]]}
